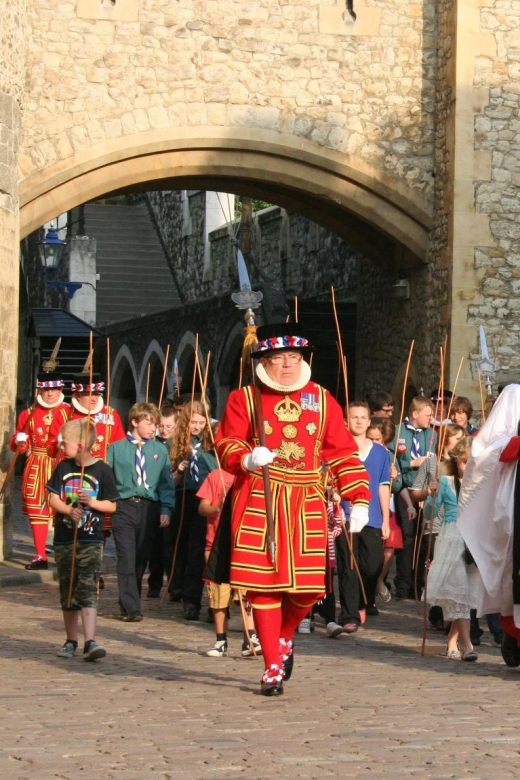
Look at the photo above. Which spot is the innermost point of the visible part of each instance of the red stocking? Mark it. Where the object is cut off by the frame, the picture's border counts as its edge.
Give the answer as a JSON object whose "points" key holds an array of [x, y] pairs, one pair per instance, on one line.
{"points": [[267, 613], [39, 532], [295, 608]]}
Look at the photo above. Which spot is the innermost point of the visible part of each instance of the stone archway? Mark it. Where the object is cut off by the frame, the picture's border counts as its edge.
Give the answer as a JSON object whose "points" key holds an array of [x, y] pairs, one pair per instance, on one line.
{"points": [[351, 198]]}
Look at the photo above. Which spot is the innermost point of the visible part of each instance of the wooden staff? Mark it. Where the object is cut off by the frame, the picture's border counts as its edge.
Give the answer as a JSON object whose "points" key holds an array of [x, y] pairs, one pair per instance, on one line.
{"points": [[188, 443], [403, 396], [343, 364], [296, 308], [482, 407], [82, 473], [108, 428], [240, 372], [440, 449], [342, 359], [204, 383], [10, 470], [165, 371]]}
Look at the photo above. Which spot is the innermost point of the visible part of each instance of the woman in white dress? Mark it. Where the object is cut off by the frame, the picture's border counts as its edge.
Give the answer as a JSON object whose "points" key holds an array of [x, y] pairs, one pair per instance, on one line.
{"points": [[452, 581]]}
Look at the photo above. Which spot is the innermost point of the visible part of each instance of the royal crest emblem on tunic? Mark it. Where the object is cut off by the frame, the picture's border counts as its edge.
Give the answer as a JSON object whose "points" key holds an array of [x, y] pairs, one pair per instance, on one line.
{"points": [[291, 431], [48, 418], [287, 410], [310, 428], [290, 449], [267, 428]]}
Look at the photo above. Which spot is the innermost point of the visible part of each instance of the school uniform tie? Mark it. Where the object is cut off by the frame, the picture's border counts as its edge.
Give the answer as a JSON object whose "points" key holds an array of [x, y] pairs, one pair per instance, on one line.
{"points": [[140, 460], [415, 452], [194, 464]]}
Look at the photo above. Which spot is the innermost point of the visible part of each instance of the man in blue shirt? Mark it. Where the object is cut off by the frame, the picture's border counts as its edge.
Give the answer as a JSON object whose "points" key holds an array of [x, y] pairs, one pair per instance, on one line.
{"points": [[367, 545]]}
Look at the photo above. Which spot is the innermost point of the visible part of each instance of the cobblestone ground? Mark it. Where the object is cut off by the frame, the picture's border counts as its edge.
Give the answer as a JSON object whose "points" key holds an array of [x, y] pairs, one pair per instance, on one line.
{"points": [[156, 708]]}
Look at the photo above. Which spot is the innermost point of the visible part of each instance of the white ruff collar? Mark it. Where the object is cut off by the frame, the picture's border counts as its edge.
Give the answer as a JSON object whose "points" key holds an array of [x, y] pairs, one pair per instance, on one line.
{"points": [[99, 405], [305, 375], [41, 402]]}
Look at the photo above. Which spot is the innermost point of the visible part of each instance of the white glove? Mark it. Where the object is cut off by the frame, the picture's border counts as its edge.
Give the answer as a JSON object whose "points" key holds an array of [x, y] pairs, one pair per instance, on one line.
{"points": [[260, 456], [21, 437], [358, 518]]}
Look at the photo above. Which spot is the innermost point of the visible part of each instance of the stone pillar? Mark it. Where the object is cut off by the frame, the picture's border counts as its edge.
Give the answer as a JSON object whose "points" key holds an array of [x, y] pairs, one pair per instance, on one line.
{"points": [[469, 228], [11, 91]]}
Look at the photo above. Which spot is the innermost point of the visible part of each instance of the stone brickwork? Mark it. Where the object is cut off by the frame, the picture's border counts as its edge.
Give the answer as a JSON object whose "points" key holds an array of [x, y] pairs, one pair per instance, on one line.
{"points": [[12, 61], [497, 132], [265, 65]]}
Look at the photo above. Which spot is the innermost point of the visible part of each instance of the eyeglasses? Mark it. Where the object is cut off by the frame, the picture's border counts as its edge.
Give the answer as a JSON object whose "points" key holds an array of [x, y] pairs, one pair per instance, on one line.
{"points": [[287, 357], [387, 408]]}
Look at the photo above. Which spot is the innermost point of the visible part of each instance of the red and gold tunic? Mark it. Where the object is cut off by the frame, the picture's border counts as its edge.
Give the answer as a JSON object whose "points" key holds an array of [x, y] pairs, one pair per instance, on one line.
{"points": [[306, 430], [109, 429], [39, 464]]}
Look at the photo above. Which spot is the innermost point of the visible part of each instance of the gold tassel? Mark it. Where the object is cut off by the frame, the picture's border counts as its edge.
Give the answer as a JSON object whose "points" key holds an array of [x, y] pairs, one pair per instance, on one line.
{"points": [[249, 340]]}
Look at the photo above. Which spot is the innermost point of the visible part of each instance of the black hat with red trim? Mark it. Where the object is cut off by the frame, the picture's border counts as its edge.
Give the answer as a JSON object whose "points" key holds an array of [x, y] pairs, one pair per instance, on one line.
{"points": [[49, 380], [82, 384], [280, 337]]}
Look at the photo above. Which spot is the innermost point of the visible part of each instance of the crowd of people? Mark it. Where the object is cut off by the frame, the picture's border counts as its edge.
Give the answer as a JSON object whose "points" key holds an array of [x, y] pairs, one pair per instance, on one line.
{"points": [[286, 504]]}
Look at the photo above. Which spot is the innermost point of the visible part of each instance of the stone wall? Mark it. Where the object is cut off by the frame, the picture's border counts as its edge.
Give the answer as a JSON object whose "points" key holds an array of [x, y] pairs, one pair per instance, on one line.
{"points": [[497, 133], [12, 65], [293, 67]]}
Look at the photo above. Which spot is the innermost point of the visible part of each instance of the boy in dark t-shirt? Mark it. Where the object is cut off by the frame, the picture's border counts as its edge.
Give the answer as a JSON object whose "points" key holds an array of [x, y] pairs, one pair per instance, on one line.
{"points": [[81, 490]]}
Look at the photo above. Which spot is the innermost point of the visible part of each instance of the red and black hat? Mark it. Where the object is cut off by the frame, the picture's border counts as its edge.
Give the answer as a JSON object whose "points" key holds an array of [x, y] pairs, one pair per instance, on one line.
{"points": [[82, 384], [280, 337], [444, 397], [49, 380]]}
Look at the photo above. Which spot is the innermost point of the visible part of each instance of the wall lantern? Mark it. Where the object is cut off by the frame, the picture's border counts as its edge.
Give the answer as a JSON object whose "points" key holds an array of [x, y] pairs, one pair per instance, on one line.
{"points": [[51, 251]]}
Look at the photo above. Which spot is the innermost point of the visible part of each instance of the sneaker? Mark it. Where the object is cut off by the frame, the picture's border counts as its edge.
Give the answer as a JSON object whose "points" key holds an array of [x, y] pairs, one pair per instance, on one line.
{"points": [[93, 652], [219, 649], [131, 617], [350, 628], [305, 626], [67, 651], [334, 629], [247, 652]]}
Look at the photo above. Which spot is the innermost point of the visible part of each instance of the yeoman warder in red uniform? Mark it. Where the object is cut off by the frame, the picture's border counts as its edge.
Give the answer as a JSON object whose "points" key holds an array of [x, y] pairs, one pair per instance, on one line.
{"points": [[303, 430]]}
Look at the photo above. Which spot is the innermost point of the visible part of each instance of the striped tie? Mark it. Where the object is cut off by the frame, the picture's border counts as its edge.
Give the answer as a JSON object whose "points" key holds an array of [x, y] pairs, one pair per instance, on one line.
{"points": [[194, 464], [415, 452], [140, 461]]}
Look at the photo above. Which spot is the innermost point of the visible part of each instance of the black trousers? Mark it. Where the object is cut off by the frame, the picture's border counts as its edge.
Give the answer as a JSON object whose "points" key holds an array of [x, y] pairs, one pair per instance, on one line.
{"points": [[368, 552], [132, 527], [404, 576], [160, 557], [190, 529]]}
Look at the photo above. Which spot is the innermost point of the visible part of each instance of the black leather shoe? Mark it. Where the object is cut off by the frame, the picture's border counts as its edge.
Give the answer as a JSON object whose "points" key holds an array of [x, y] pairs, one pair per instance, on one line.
{"points": [[288, 666], [153, 594], [37, 565], [271, 689], [510, 651]]}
